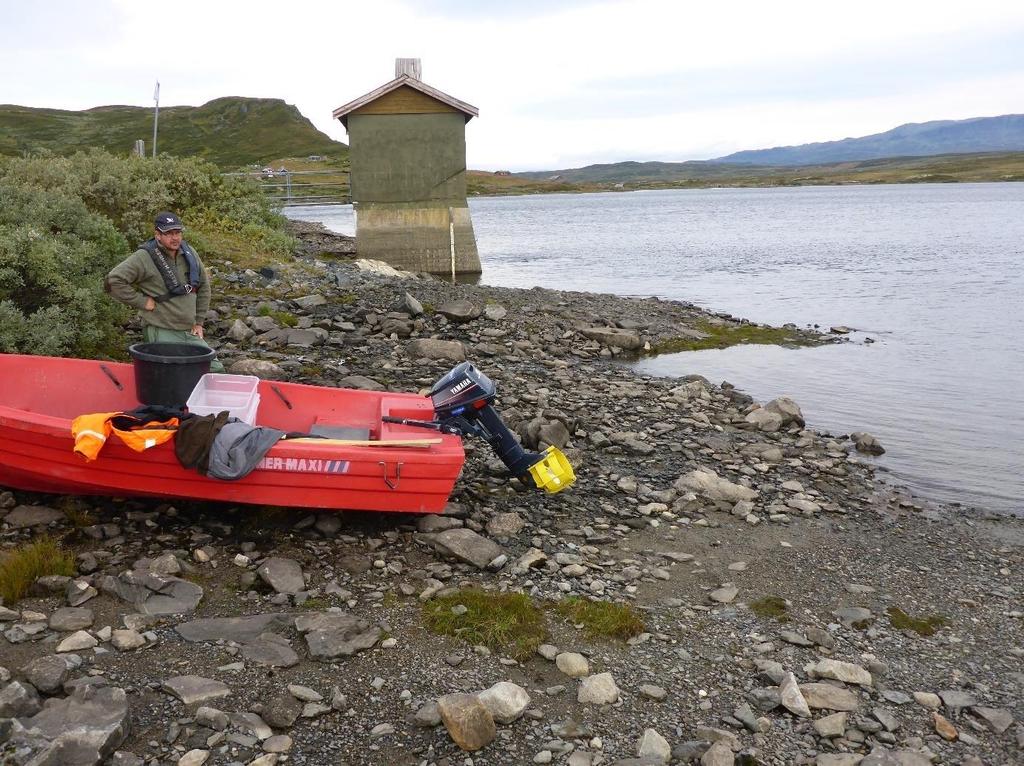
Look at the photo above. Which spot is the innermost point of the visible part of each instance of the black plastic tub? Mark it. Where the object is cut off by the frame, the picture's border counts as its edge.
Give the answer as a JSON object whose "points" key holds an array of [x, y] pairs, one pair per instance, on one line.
{"points": [[166, 373]]}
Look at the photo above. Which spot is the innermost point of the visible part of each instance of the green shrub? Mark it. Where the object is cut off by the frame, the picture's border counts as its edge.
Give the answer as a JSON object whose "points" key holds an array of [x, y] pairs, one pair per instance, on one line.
{"points": [[24, 565], [66, 221]]}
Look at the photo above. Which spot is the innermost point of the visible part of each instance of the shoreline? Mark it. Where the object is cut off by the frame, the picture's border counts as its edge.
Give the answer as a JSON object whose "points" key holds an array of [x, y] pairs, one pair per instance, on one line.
{"points": [[693, 505]]}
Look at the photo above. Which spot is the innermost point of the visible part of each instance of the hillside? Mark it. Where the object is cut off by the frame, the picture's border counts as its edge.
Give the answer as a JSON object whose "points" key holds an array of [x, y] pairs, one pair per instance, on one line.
{"points": [[949, 168], [231, 131], [981, 134]]}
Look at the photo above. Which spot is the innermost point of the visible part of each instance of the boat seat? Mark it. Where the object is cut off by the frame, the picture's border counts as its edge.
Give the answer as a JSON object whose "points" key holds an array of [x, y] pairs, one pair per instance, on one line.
{"points": [[334, 431], [403, 407]]}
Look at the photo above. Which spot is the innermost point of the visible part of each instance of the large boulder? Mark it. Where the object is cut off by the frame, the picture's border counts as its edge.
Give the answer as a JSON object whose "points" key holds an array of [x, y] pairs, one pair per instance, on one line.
{"points": [[336, 634], [433, 348], [614, 337], [32, 516], [153, 593], [283, 575], [466, 545], [82, 729], [261, 368], [706, 483], [867, 444], [192, 689], [459, 311], [19, 699], [241, 630]]}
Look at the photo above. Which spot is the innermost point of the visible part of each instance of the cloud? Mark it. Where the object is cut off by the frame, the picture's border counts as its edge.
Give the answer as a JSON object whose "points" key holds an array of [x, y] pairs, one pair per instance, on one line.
{"points": [[557, 83]]}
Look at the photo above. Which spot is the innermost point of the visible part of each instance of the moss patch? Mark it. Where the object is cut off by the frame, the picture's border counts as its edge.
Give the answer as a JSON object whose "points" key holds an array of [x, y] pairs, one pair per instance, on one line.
{"points": [[725, 335], [923, 626], [283, 318], [771, 607], [601, 619], [25, 564], [509, 623]]}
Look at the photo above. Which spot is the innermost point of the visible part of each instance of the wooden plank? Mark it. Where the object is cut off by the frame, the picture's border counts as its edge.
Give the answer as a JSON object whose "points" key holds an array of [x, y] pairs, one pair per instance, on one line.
{"points": [[405, 100], [367, 442]]}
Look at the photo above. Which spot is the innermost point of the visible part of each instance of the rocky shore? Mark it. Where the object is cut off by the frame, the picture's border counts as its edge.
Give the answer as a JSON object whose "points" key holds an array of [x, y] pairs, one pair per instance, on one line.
{"points": [[796, 609]]}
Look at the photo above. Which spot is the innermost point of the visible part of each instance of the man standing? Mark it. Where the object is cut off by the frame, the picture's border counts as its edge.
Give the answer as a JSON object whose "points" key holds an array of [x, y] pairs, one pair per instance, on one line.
{"points": [[166, 281]]}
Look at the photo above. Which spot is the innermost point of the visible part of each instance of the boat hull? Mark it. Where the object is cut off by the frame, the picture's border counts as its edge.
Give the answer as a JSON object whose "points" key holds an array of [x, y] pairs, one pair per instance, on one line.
{"points": [[41, 396]]}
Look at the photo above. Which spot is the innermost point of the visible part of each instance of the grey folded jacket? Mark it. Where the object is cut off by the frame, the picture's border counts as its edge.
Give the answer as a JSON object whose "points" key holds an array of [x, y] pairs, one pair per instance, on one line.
{"points": [[238, 449]]}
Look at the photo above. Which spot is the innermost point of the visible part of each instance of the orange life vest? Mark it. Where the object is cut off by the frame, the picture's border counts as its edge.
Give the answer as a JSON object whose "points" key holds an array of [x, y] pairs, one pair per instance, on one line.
{"points": [[92, 431]]}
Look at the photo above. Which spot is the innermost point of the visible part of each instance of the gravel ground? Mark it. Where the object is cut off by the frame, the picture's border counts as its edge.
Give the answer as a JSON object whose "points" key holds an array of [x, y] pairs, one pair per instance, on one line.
{"points": [[692, 504]]}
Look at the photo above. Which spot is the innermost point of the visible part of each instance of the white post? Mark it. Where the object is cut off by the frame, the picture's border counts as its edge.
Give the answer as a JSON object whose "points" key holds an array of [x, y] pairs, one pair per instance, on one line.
{"points": [[451, 237], [156, 114]]}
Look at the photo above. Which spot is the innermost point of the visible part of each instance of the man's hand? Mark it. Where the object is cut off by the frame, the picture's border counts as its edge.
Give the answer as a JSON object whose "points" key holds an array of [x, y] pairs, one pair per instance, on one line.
{"points": [[150, 304], [197, 330]]}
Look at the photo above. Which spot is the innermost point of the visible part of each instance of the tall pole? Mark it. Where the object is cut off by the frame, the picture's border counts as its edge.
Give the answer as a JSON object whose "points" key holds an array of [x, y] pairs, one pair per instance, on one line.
{"points": [[156, 114]]}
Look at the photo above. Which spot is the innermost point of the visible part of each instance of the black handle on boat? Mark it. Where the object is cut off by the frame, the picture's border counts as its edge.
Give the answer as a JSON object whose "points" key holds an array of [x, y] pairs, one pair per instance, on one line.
{"points": [[445, 428], [109, 374], [284, 398]]}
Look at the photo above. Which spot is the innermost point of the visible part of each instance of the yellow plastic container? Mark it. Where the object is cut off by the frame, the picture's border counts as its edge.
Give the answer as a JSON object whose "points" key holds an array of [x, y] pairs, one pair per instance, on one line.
{"points": [[552, 473]]}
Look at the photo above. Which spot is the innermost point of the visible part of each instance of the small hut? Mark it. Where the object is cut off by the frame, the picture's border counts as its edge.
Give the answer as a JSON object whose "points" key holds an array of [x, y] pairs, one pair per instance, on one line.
{"points": [[407, 147]]}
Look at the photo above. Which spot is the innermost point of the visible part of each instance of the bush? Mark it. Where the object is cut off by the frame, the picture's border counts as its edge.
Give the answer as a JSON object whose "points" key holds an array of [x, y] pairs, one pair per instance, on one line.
{"points": [[66, 221], [24, 565]]}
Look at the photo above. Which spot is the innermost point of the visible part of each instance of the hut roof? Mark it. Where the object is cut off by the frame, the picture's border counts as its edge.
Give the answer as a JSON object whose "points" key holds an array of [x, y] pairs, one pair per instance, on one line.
{"points": [[342, 112]]}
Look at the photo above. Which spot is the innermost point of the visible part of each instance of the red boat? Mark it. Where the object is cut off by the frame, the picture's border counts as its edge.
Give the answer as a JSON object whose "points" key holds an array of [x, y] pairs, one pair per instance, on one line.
{"points": [[395, 469]]}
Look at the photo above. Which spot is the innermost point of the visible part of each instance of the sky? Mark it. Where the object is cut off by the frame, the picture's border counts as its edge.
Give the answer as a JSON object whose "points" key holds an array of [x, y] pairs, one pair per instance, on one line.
{"points": [[559, 84]]}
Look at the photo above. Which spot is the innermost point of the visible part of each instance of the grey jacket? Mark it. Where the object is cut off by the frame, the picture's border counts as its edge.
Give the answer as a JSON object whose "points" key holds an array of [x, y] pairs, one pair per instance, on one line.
{"points": [[238, 449]]}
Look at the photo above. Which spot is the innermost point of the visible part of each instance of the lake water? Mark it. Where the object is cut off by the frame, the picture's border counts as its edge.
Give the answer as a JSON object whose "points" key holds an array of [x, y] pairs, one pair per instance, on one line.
{"points": [[933, 273]]}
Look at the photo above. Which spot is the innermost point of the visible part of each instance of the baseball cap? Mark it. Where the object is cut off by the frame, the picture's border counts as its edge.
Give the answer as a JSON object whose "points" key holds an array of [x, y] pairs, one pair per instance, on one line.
{"points": [[167, 221]]}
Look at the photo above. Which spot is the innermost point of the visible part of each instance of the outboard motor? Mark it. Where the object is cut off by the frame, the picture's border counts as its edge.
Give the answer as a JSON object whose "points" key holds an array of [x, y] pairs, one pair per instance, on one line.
{"points": [[463, 402]]}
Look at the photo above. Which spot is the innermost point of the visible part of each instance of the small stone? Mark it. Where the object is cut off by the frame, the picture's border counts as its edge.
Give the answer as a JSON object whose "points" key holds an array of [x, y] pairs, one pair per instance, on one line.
{"points": [[831, 726], [305, 694], [467, 720], [943, 727], [77, 642], [506, 701], [71, 618], [654, 747], [792, 698], [126, 640], [724, 594], [547, 651], [192, 689], [654, 692], [829, 697], [997, 719], [572, 664], [194, 758], [279, 743], [598, 689], [846, 672]]}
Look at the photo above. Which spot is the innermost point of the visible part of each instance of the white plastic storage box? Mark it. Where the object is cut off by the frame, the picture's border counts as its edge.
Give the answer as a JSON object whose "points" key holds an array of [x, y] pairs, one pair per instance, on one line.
{"points": [[216, 392]]}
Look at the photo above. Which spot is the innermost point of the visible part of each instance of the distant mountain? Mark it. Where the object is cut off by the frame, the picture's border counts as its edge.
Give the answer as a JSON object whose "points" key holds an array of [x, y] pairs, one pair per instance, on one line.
{"points": [[231, 131], [980, 134]]}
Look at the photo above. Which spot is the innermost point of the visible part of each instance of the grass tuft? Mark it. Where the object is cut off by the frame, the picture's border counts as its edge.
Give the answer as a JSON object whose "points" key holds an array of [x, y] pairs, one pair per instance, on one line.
{"points": [[76, 511], [923, 626], [725, 335], [601, 619], [509, 623], [24, 565], [770, 607]]}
